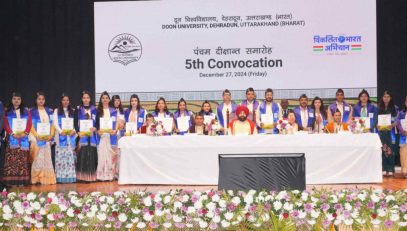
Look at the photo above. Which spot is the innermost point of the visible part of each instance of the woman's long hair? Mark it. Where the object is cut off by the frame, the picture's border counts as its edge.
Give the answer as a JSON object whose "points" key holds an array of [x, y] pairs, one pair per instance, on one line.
{"points": [[100, 105], [61, 108], [10, 106]]}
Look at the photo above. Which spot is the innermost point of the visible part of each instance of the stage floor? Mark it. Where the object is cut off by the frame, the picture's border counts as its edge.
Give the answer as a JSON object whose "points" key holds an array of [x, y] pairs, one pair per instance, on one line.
{"points": [[395, 183]]}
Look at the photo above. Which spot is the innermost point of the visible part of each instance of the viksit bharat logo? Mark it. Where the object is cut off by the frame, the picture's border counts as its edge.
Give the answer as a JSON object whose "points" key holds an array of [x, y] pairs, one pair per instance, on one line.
{"points": [[125, 49]]}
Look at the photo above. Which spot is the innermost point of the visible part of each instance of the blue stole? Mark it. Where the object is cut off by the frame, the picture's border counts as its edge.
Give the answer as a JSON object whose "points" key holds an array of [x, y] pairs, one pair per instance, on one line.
{"points": [[220, 114], [371, 109], [346, 114], [275, 109], [84, 141], [255, 104], [113, 138], [166, 114], [14, 143], [401, 116], [297, 112], [63, 140], [178, 114], [35, 118], [393, 120], [140, 117]]}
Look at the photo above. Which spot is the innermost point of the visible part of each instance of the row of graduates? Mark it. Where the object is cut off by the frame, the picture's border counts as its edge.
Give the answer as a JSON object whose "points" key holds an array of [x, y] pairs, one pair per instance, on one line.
{"points": [[84, 157]]}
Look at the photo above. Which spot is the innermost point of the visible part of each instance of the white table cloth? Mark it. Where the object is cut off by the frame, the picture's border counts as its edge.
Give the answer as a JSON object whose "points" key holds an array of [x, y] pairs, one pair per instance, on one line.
{"points": [[193, 159]]}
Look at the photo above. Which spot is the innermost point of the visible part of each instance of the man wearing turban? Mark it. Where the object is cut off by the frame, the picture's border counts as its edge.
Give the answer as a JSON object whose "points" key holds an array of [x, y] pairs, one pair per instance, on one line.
{"points": [[242, 125]]}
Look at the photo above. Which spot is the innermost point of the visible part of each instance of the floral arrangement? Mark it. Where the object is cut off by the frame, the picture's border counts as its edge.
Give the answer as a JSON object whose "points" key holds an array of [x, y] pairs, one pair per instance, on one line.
{"points": [[157, 129], [214, 127], [357, 125], [210, 210], [284, 126]]}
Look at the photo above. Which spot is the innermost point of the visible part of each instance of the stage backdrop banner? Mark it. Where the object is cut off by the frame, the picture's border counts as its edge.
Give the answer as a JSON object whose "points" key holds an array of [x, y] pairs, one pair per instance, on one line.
{"points": [[207, 46]]}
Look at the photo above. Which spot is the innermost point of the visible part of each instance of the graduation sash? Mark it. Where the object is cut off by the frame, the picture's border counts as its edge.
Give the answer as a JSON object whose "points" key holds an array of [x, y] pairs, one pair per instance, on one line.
{"points": [[402, 115], [371, 113], [14, 143], [310, 112], [255, 104], [276, 110], [140, 117], [178, 114], [166, 114], [346, 113], [92, 139], [35, 118], [113, 138], [220, 114], [65, 141]]}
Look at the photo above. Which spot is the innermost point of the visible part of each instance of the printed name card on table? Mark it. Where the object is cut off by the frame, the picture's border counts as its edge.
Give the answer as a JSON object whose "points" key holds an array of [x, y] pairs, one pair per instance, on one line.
{"points": [[183, 123], [43, 129], [67, 124], [384, 120], [19, 125]]}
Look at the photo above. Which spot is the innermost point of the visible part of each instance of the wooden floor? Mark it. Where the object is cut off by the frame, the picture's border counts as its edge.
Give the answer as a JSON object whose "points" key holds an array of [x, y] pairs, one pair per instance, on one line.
{"points": [[394, 183]]}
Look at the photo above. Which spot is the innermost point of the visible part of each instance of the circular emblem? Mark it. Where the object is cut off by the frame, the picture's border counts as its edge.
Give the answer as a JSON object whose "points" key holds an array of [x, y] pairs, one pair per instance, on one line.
{"points": [[125, 49], [341, 39]]}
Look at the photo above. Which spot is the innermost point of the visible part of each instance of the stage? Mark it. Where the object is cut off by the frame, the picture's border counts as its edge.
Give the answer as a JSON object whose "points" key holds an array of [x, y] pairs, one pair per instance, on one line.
{"points": [[396, 183]]}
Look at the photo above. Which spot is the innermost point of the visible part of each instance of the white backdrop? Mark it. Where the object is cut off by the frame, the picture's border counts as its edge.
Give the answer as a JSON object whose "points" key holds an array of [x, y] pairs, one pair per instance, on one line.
{"points": [[327, 44]]}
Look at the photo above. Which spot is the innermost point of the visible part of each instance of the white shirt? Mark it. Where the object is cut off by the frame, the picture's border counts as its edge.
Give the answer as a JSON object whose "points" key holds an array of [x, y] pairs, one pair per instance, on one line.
{"points": [[133, 116], [250, 105], [304, 117], [18, 114]]}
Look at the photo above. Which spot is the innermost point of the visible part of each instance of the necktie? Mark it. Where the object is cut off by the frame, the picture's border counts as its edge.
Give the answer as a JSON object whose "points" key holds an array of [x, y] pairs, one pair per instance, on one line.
{"points": [[364, 112]]}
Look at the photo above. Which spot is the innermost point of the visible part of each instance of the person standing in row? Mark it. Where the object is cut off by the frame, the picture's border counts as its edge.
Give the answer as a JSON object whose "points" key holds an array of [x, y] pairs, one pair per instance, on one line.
{"points": [[65, 141], [388, 134], [250, 102], [106, 123], [304, 114], [161, 112], [402, 127], [85, 124], [135, 113], [181, 113], [42, 170], [341, 105], [226, 110], [320, 115], [17, 124], [365, 109], [206, 110], [268, 114]]}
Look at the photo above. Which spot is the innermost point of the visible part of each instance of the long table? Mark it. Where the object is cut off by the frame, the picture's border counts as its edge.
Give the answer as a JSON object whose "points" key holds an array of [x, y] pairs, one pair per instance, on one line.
{"points": [[193, 159]]}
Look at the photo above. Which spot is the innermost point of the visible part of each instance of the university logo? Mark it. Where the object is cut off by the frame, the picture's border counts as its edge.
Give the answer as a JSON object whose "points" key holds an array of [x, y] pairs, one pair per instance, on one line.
{"points": [[340, 43], [125, 49]]}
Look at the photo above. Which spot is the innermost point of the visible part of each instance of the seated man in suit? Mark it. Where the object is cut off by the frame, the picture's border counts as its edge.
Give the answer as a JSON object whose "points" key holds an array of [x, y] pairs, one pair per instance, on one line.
{"points": [[198, 126], [336, 125]]}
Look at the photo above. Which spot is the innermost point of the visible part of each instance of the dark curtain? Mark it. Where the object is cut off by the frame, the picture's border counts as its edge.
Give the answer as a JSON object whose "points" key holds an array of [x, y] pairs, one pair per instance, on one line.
{"points": [[392, 48], [49, 45], [46, 45]]}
